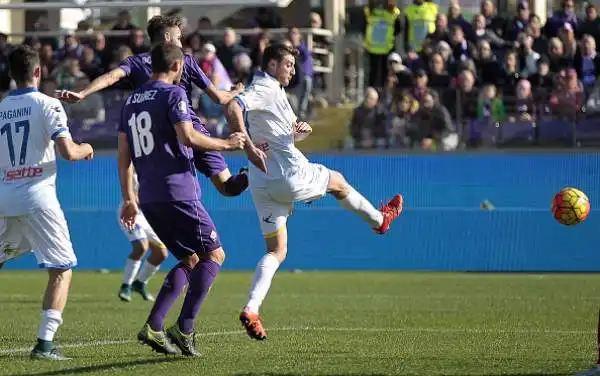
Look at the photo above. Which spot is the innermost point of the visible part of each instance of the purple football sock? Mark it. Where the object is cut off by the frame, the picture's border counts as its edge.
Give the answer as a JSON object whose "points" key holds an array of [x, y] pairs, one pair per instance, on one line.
{"points": [[173, 285], [201, 279]]}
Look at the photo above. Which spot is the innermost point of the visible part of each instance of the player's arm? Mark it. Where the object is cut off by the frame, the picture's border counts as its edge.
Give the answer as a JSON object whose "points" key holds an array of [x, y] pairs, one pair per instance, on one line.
{"points": [[129, 209], [186, 134], [106, 80], [55, 120], [234, 112]]}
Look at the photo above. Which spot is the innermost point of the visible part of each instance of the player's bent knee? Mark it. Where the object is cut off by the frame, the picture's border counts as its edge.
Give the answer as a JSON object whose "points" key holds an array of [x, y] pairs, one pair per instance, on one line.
{"points": [[338, 186], [138, 250], [218, 256]]}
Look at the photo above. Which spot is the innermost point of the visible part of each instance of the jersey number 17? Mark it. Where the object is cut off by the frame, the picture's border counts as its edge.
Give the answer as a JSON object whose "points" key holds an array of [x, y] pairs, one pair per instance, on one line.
{"points": [[20, 127], [143, 140]]}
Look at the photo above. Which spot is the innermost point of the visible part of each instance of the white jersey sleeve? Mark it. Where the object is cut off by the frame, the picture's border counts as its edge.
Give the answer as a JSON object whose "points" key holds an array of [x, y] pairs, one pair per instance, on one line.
{"points": [[55, 119]]}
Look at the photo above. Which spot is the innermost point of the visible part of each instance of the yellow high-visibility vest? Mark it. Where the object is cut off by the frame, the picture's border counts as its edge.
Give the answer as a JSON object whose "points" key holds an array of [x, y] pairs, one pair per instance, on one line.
{"points": [[379, 38], [421, 20]]}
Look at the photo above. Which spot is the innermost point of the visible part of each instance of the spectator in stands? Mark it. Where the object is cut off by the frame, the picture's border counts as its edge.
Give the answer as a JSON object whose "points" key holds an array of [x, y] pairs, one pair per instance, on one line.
{"points": [[266, 19], [304, 90], [256, 55], [528, 58], [47, 60], [558, 59], [404, 76], [439, 79], [67, 74], [122, 53], [463, 102], [490, 107], [480, 32], [510, 74], [543, 80], [560, 17], [87, 113], [99, 46], [48, 86], [204, 24], [591, 24], [432, 126], [242, 65], [462, 49], [404, 106], [41, 25], [567, 37], [540, 42], [91, 64], [228, 49], [442, 32], [420, 85], [493, 21], [522, 106], [368, 122], [213, 68], [487, 64], [455, 18], [587, 63], [519, 23], [71, 49], [322, 42], [123, 24], [138, 43], [567, 100]]}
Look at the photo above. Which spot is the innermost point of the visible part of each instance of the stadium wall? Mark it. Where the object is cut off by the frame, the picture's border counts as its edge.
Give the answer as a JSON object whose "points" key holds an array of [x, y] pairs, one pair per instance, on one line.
{"points": [[443, 227]]}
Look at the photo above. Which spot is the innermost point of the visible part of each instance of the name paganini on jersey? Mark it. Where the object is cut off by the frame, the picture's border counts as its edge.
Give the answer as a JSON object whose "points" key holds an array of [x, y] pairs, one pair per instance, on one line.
{"points": [[15, 114]]}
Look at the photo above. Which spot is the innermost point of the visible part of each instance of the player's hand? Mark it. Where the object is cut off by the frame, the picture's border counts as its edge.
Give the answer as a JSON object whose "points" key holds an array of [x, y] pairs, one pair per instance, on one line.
{"points": [[68, 96], [239, 87], [302, 130], [88, 151], [236, 141], [258, 158], [264, 146], [129, 211]]}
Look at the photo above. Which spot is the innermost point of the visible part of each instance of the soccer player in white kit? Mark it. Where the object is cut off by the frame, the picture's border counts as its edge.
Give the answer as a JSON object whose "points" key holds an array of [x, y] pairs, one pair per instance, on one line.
{"points": [[284, 175], [31, 124], [142, 238]]}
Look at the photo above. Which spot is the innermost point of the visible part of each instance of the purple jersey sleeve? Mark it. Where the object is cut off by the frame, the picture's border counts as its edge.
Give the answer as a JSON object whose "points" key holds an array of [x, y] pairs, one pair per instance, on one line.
{"points": [[127, 64], [196, 75], [179, 110]]}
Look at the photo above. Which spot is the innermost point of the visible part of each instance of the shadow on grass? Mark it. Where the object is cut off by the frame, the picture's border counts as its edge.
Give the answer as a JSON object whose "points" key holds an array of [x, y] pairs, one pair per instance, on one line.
{"points": [[102, 367]]}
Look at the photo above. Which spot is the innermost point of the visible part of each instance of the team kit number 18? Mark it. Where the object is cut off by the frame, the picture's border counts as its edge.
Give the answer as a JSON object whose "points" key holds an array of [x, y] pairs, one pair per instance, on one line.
{"points": [[143, 140]]}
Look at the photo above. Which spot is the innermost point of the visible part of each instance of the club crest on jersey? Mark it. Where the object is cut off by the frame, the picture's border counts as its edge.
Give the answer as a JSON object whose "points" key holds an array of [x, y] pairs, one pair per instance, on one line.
{"points": [[182, 106]]}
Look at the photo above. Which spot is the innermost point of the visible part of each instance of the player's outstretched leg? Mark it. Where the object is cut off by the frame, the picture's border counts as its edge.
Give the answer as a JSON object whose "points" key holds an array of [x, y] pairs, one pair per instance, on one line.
{"points": [[261, 283], [158, 254], [379, 220], [132, 267], [201, 279], [55, 299]]}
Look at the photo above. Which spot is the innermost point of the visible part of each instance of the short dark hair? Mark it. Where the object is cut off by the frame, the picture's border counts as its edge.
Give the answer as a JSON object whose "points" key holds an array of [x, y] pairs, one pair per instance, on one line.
{"points": [[159, 24], [164, 56], [22, 62], [276, 51]]}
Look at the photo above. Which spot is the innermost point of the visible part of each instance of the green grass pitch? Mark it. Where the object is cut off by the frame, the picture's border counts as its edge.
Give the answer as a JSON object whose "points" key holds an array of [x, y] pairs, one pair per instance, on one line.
{"points": [[324, 323]]}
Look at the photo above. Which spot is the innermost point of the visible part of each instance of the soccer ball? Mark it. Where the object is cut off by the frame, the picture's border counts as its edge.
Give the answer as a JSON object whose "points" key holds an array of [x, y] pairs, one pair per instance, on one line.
{"points": [[570, 206]]}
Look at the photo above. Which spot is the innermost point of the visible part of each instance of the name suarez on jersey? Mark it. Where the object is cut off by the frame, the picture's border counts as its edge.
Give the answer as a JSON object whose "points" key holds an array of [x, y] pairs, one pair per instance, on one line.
{"points": [[15, 113], [145, 96]]}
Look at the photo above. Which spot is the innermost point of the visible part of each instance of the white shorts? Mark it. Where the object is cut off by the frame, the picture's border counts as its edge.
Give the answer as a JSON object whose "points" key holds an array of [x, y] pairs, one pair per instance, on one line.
{"points": [[141, 231], [274, 202], [45, 232]]}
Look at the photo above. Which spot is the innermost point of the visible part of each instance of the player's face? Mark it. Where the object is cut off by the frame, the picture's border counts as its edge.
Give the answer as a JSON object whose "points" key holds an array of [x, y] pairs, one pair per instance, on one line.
{"points": [[173, 36], [286, 70]]}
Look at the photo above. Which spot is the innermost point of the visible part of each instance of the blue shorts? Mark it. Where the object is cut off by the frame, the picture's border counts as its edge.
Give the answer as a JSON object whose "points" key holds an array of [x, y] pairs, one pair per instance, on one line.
{"points": [[184, 227]]}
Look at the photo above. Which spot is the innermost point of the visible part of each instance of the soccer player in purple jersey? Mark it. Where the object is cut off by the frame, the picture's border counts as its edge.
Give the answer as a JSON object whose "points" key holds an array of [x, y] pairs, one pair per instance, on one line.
{"points": [[156, 134], [138, 69]]}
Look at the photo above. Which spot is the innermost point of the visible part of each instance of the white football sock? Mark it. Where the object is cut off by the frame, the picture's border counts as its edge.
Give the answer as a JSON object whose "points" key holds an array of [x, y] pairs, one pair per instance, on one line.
{"points": [[148, 270], [51, 320], [265, 270], [131, 270], [355, 202]]}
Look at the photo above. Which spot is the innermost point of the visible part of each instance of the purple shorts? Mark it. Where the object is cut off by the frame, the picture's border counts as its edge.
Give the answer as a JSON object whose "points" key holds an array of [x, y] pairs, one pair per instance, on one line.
{"points": [[184, 226], [209, 163]]}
